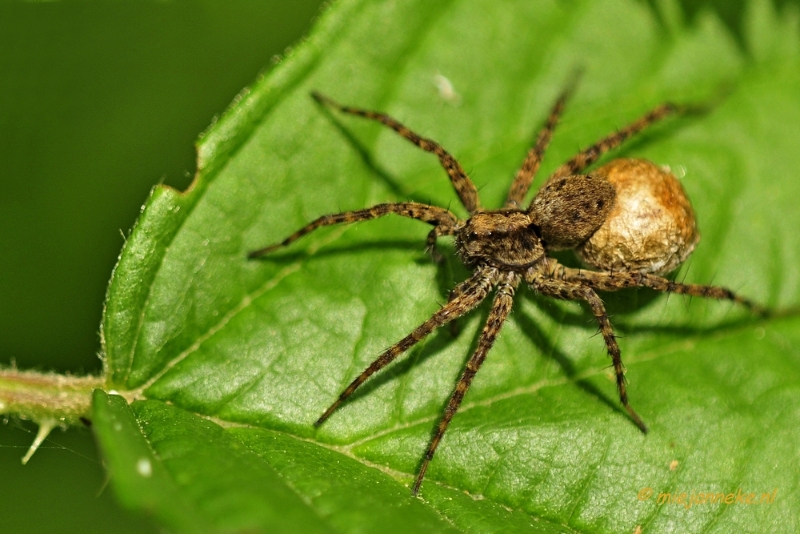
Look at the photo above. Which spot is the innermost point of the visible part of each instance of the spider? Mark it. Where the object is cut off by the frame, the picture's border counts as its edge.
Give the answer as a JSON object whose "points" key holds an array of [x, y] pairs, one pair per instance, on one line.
{"points": [[507, 246]]}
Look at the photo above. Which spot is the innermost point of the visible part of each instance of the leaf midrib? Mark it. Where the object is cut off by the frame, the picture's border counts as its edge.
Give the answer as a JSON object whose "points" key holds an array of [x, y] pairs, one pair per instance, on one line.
{"points": [[346, 450], [663, 349]]}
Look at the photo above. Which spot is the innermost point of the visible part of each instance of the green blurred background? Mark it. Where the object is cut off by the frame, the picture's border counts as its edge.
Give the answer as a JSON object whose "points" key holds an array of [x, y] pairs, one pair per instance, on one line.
{"points": [[98, 102]]}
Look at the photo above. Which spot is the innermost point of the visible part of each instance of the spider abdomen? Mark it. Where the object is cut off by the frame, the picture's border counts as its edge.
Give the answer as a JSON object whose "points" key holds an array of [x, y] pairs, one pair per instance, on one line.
{"points": [[651, 228]]}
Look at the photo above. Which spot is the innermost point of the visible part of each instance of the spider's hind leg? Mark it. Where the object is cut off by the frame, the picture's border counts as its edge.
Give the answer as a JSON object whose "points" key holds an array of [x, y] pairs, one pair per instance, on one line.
{"points": [[613, 281], [573, 291], [591, 154]]}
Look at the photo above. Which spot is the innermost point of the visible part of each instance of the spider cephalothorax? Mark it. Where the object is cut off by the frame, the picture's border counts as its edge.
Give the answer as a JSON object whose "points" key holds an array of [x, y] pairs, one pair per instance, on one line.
{"points": [[506, 239], [648, 232]]}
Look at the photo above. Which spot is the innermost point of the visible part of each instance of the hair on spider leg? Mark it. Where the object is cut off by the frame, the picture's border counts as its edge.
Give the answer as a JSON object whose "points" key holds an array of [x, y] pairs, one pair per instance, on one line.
{"points": [[605, 216]]}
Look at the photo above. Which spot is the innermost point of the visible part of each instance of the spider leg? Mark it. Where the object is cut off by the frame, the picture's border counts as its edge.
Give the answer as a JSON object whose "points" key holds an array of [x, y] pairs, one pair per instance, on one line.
{"points": [[574, 291], [439, 217], [501, 307], [455, 327], [524, 178], [591, 154], [464, 187], [471, 292], [613, 281]]}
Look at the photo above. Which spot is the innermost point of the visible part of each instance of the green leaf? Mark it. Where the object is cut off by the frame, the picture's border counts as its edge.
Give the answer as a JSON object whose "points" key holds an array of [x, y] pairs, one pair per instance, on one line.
{"points": [[137, 468], [237, 358]]}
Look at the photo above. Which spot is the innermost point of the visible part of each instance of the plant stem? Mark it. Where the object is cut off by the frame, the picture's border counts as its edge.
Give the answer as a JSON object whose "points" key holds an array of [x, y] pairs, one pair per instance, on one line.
{"points": [[60, 399]]}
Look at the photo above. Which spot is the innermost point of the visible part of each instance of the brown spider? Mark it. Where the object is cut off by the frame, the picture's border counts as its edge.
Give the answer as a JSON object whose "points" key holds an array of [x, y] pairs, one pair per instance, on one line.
{"points": [[506, 246]]}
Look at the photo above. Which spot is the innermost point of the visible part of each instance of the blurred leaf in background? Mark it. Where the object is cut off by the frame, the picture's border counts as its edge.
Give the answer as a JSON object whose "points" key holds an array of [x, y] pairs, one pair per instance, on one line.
{"points": [[99, 101]]}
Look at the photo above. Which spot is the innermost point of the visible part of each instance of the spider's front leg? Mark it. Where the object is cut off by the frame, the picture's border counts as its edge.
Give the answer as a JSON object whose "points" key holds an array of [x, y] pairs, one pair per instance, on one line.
{"points": [[444, 221], [465, 189], [567, 290]]}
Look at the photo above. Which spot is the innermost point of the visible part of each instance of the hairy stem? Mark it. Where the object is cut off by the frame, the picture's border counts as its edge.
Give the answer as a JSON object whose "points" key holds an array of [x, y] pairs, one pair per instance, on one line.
{"points": [[62, 399]]}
